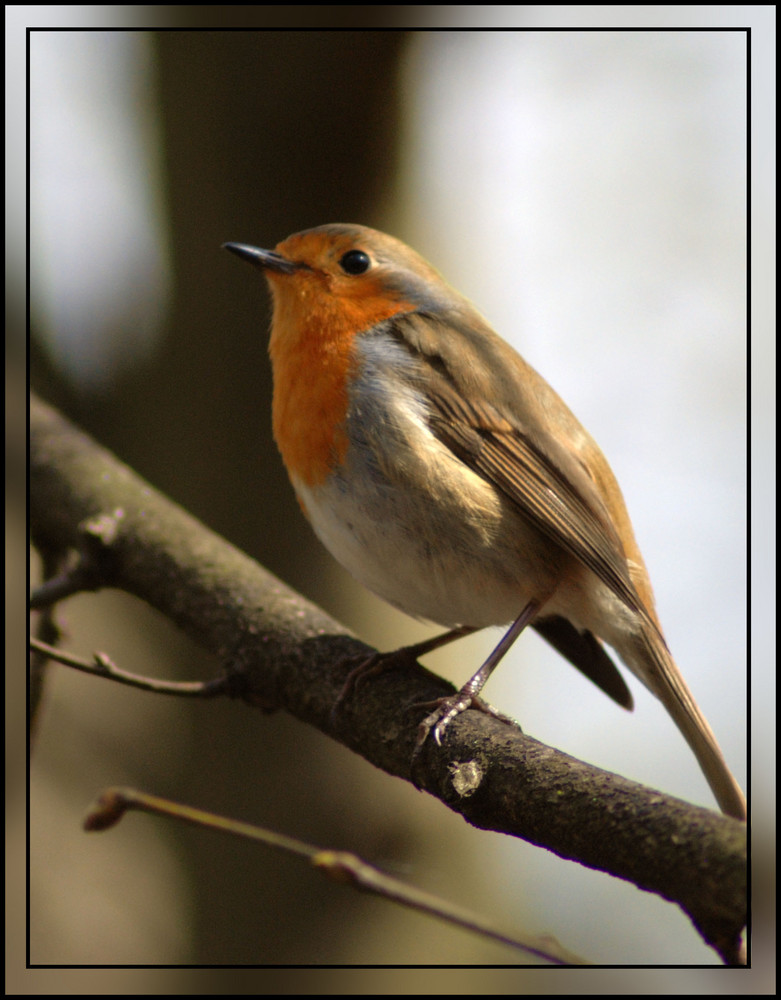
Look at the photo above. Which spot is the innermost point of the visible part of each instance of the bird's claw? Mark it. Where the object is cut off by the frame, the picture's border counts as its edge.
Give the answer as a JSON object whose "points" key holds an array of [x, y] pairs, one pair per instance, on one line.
{"points": [[446, 709], [368, 666]]}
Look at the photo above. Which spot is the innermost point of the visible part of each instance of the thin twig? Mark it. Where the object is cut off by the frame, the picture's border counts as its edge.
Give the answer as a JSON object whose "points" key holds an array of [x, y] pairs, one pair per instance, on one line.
{"points": [[340, 866], [87, 571], [48, 632], [102, 666]]}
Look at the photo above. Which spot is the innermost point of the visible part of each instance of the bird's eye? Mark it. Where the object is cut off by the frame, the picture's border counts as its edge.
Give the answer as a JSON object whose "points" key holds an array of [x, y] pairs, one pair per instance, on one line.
{"points": [[355, 262]]}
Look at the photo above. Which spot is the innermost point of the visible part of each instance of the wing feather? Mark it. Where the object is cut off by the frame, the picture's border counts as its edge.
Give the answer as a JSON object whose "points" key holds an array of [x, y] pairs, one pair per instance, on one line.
{"points": [[504, 455], [510, 447]]}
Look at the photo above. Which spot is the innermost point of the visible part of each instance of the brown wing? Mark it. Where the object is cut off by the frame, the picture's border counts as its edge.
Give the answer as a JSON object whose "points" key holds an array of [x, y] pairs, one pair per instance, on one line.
{"points": [[504, 455]]}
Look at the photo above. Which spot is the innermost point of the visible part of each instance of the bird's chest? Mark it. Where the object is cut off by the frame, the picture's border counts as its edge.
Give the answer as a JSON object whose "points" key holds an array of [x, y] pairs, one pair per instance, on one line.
{"points": [[309, 409], [401, 512]]}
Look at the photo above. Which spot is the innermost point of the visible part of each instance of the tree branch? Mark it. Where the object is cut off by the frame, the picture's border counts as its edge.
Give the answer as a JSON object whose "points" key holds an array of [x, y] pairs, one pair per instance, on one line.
{"points": [[291, 655]]}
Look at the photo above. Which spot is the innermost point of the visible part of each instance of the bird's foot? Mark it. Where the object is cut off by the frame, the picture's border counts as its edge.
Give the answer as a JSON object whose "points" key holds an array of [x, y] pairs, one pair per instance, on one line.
{"points": [[370, 666], [377, 663], [446, 709]]}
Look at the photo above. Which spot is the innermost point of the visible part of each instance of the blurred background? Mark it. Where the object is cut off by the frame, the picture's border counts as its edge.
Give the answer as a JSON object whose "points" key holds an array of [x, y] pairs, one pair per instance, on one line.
{"points": [[587, 190]]}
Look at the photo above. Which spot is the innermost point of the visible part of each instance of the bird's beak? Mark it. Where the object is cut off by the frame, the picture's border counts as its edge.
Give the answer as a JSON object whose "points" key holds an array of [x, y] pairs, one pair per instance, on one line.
{"points": [[267, 260]]}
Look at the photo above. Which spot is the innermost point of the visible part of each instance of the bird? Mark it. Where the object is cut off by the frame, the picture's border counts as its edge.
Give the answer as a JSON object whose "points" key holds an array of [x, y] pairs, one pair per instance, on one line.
{"points": [[446, 475]]}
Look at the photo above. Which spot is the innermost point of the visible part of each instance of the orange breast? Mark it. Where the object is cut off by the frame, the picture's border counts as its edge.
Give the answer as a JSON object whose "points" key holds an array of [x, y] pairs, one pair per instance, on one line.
{"points": [[313, 357]]}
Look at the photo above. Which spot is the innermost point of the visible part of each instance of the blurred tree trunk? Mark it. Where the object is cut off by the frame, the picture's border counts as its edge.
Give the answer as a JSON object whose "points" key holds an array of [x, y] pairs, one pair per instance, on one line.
{"points": [[264, 133]]}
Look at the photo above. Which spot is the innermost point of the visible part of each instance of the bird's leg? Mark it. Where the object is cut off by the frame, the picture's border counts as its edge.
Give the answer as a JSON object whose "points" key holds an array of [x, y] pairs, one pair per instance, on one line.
{"points": [[448, 708], [429, 645], [378, 662]]}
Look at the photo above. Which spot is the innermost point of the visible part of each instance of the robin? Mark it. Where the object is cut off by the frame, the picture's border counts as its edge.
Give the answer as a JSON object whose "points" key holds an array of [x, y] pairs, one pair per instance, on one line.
{"points": [[449, 478]]}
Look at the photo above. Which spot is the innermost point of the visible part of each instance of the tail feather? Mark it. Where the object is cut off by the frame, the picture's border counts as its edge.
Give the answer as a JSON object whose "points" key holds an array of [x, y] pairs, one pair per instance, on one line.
{"points": [[665, 680]]}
